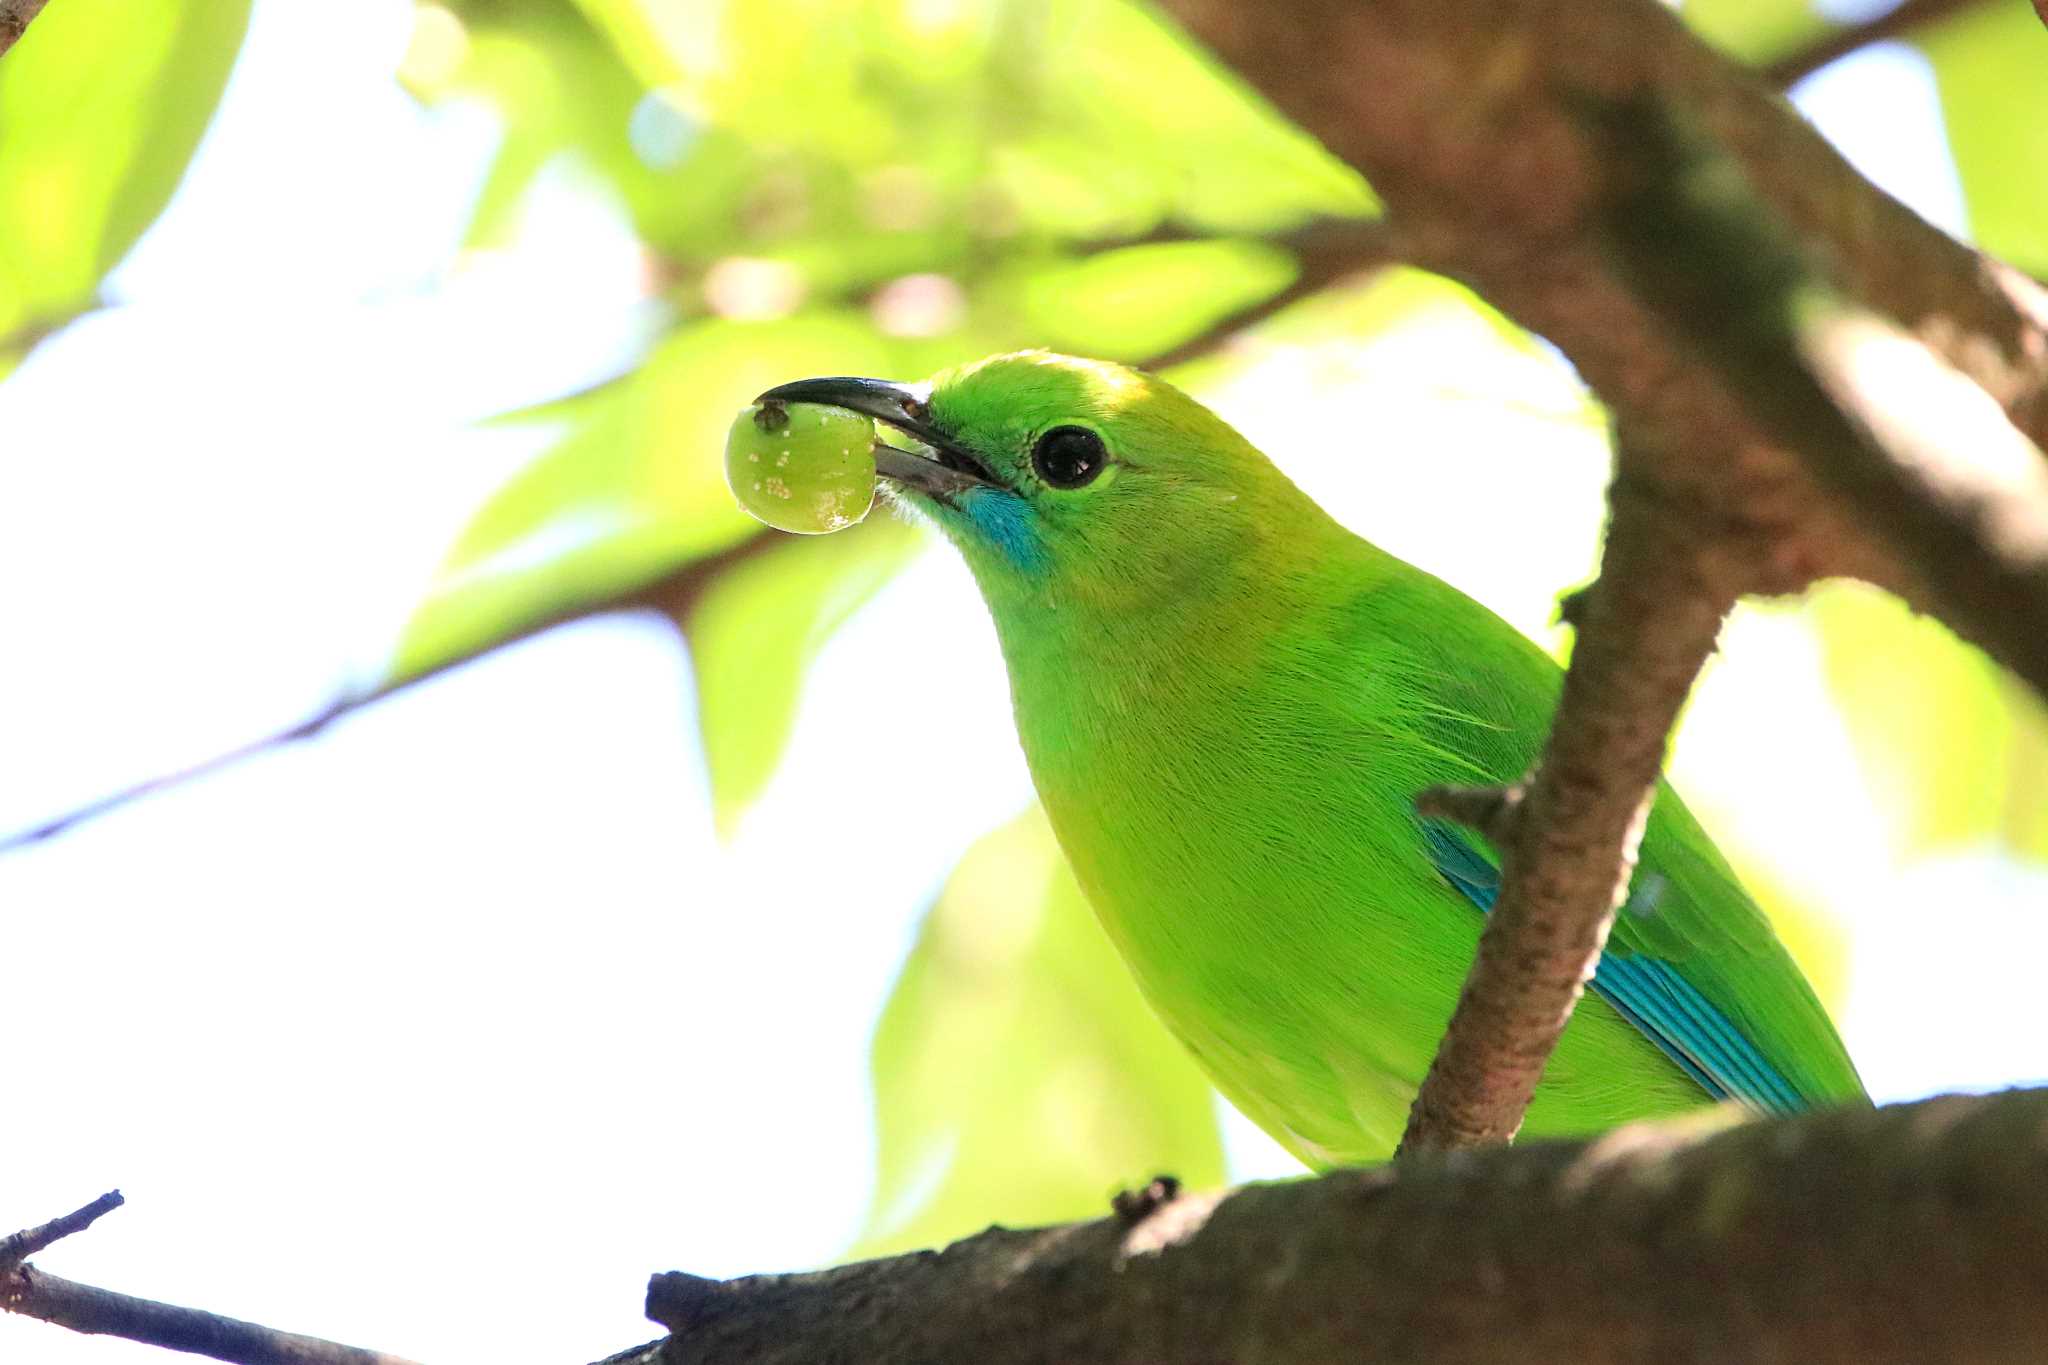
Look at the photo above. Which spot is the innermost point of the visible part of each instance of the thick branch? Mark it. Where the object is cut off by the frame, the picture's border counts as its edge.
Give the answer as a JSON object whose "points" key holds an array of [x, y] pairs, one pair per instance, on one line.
{"points": [[1568, 839], [1917, 451], [1467, 116], [1914, 1233]]}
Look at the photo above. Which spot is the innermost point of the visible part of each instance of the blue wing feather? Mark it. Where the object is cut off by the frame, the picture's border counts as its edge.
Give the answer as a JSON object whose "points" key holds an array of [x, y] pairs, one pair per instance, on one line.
{"points": [[1650, 993]]}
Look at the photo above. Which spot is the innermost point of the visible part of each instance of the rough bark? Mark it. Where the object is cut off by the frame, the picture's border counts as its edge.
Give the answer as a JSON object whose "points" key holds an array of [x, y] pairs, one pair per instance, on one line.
{"points": [[1913, 1233], [1921, 457], [1469, 117]]}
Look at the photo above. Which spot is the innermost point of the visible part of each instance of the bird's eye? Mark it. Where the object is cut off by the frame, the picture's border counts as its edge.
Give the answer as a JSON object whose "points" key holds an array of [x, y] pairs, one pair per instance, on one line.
{"points": [[1068, 457]]}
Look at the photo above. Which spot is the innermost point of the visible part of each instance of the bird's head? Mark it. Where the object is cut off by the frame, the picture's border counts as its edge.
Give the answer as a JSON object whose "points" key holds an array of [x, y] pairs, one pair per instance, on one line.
{"points": [[1067, 481]]}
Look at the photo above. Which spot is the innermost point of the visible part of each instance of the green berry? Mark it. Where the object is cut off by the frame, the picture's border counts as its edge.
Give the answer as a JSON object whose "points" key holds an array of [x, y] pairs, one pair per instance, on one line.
{"points": [[802, 467]]}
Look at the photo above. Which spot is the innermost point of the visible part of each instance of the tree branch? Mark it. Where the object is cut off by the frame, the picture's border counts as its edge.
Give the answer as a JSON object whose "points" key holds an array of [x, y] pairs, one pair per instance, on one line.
{"points": [[1918, 1232], [1568, 836], [1919, 453], [1468, 118], [102, 1312], [682, 584], [15, 17], [20, 1246]]}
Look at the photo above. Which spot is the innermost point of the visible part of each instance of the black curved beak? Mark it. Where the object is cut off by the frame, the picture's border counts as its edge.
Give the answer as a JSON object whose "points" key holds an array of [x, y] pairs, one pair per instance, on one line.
{"points": [[951, 469]]}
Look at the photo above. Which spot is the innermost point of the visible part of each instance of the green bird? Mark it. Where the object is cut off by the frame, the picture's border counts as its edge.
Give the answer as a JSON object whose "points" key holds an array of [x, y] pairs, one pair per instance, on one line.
{"points": [[1228, 702]]}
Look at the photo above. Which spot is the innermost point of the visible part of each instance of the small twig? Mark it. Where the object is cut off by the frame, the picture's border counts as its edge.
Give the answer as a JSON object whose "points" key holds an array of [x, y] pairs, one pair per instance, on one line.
{"points": [[29, 1241], [1571, 608], [1493, 811], [102, 1312], [82, 1308], [1568, 838], [305, 729], [15, 17], [682, 585], [29, 335]]}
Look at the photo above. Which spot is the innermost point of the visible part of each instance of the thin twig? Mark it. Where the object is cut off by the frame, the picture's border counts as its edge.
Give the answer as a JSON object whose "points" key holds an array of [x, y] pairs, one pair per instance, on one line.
{"points": [[29, 1292], [683, 584], [1493, 811], [102, 1312], [19, 1246]]}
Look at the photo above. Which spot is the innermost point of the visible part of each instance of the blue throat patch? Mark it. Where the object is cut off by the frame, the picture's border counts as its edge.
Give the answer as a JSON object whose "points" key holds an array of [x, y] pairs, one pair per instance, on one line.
{"points": [[1005, 521]]}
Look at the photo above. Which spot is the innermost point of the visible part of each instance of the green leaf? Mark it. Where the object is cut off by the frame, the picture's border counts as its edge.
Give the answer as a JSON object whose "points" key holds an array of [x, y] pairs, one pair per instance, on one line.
{"points": [[1019, 1077], [101, 105], [1014, 110], [753, 634], [1991, 65], [559, 91], [1954, 750], [633, 491], [1138, 301], [649, 37]]}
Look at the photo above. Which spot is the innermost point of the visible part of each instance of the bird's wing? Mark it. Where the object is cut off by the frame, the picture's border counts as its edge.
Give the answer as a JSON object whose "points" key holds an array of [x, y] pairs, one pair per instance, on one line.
{"points": [[1691, 961], [1648, 991]]}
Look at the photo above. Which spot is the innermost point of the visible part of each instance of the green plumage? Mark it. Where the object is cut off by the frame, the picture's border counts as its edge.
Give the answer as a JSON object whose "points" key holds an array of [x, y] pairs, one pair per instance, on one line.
{"points": [[1228, 703]]}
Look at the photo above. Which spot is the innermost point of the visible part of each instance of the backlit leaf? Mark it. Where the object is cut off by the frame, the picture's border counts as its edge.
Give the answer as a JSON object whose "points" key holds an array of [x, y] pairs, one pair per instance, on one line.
{"points": [[1019, 1077], [101, 105], [754, 631], [1991, 65], [1954, 750]]}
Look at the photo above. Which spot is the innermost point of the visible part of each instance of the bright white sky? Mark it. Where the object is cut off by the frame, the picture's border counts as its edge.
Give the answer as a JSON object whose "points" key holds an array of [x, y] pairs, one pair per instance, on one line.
{"points": [[381, 1032]]}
